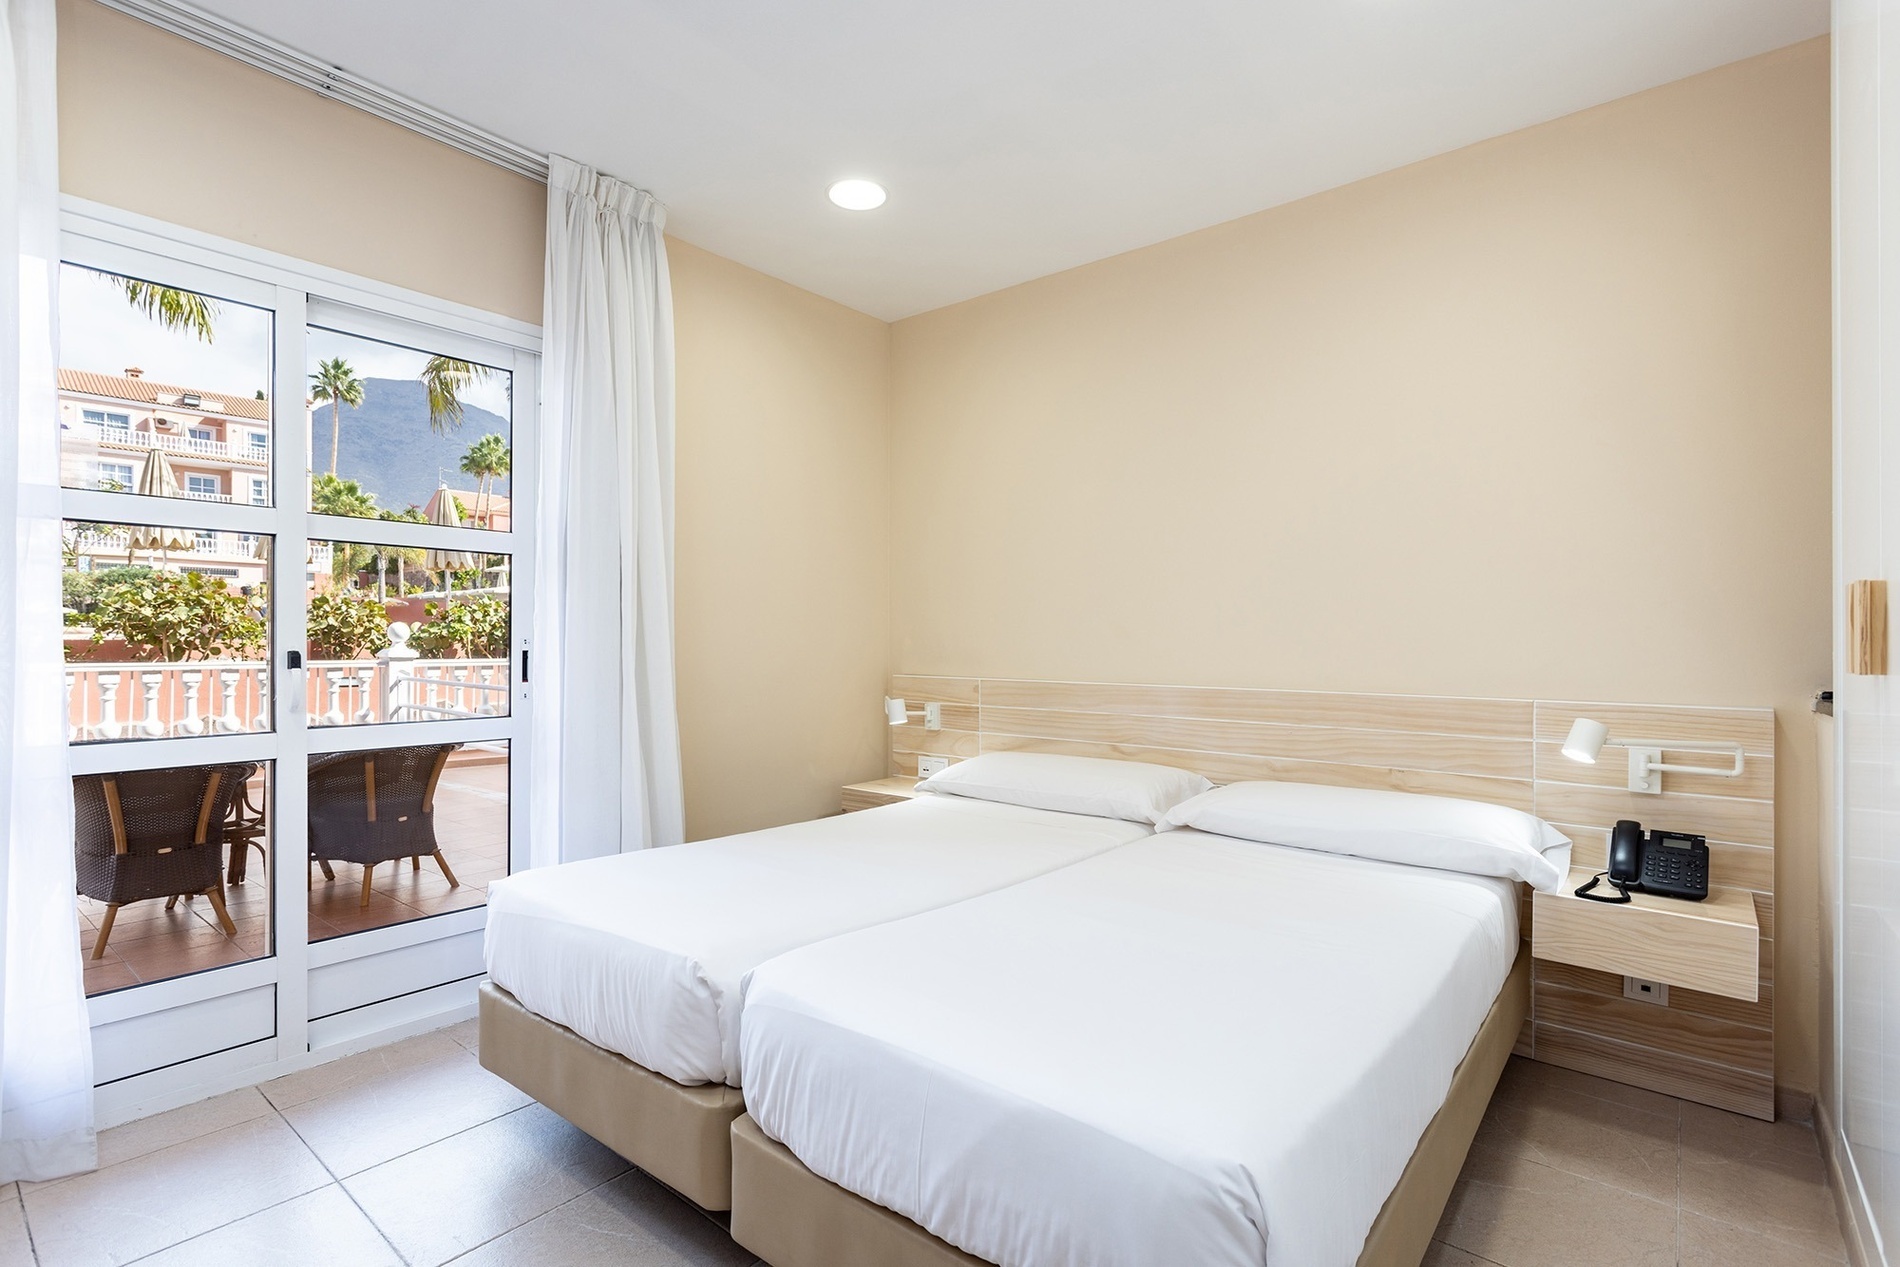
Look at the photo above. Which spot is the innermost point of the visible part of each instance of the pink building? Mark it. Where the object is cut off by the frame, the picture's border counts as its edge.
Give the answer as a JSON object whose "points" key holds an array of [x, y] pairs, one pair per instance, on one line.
{"points": [[218, 447]]}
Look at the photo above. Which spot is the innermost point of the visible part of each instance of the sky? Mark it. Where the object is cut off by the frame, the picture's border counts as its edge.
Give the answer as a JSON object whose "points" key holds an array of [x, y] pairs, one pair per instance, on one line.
{"points": [[101, 332]]}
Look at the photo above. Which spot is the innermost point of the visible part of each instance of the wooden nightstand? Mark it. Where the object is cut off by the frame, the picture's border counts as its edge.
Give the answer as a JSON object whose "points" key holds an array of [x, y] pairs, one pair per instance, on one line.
{"points": [[878, 792], [1712, 945]]}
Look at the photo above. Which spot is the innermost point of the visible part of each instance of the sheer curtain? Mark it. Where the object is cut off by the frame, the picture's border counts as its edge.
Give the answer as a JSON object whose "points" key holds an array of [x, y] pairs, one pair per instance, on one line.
{"points": [[606, 757], [45, 1046]]}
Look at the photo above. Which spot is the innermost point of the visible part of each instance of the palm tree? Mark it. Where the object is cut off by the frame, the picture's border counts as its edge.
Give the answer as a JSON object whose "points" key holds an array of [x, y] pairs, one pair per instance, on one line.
{"points": [[332, 496], [337, 383], [487, 460], [446, 379], [174, 309]]}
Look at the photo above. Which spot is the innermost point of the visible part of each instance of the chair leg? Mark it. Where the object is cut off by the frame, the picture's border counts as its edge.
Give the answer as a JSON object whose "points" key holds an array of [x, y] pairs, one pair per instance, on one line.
{"points": [[447, 874], [415, 863], [105, 931], [368, 873], [171, 901], [323, 865], [224, 916]]}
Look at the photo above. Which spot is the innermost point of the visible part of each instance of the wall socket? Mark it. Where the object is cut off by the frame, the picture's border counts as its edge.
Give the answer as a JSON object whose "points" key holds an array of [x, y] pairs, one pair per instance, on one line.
{"points": [[1646, 991], [927, 766]]}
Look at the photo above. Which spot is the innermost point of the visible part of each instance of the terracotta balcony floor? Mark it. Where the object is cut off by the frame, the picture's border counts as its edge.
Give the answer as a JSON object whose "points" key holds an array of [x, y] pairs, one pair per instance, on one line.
{"points": [[150, 943]]}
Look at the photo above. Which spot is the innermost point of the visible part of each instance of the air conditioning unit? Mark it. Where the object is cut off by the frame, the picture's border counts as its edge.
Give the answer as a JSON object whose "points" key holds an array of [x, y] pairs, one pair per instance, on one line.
{"points": [[165, 424]]}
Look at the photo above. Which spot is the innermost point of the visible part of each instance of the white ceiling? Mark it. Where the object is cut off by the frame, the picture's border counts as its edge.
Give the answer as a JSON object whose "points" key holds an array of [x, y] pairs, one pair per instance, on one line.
{"points": [[1016, 137]]}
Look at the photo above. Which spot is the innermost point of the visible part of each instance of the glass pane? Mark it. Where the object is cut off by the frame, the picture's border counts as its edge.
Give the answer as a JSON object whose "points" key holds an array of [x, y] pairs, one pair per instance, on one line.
{"points": [[400, 834], [405, 634], [167, 631], [158, 898], [397, 433], [162, 391]]}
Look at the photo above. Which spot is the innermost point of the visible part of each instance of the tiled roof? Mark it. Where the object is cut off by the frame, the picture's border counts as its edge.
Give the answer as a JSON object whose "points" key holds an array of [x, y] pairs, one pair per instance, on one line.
{"points": [[145, 391]]}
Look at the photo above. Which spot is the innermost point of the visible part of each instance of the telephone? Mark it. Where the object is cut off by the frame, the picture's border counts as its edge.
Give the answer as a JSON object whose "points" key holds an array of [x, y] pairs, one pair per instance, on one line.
{"points": [[1666, 863]]}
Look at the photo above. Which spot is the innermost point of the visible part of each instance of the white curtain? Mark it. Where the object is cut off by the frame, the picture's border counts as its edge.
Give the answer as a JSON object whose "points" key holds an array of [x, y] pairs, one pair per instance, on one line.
{"points": [[45, 1047], [606, 758]]}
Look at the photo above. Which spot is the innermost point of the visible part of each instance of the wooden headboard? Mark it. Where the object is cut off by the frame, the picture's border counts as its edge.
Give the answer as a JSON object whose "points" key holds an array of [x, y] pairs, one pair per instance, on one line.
{"points": [[1702, 1047]]}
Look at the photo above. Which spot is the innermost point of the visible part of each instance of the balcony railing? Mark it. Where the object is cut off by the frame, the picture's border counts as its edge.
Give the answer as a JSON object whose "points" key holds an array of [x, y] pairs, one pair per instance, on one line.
{"points": [[223, 545], [188, 446], [142, 700]]}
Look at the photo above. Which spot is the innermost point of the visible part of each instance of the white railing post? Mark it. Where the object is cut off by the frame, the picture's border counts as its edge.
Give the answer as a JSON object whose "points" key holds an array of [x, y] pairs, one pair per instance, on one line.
{"points": [[108, 727], [151, 681], [395, 683], [194, 682], [227, 718]]}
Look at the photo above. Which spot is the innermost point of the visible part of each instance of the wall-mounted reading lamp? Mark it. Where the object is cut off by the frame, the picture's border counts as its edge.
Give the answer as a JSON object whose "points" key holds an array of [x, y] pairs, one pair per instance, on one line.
{"points": [[1587, 739], [897, 713]]}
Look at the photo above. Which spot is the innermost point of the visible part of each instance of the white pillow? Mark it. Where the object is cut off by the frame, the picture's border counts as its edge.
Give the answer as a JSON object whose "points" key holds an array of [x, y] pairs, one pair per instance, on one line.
{"points": [[1425, 831], [1133, 790]]}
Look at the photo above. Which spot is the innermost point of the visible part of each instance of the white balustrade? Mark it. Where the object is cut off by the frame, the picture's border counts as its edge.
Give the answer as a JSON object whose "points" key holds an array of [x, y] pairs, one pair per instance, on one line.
{"points": [[233, 697], [118, 438]]}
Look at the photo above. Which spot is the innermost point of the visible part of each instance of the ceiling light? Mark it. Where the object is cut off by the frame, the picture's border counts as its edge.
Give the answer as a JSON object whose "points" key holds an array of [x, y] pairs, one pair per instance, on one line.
{"points": [[858, 195]]}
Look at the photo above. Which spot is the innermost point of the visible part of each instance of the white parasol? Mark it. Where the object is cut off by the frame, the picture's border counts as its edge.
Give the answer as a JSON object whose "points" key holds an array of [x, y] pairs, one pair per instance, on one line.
{"points": [[156, 480], [448, 561]]}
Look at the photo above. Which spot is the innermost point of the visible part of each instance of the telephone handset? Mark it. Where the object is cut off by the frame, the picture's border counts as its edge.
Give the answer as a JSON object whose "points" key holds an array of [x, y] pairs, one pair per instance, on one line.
{"points": [[1666, 863]]}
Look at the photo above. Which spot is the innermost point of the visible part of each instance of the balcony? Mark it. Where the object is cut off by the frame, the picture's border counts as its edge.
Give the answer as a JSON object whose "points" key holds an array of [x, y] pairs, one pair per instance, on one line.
{"points": [[143, 700], [223, 547], [246, 454]]}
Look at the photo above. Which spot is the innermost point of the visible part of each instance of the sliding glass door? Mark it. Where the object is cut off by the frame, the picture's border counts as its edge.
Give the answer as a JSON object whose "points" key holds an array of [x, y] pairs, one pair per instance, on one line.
{"points": [[297, 549]]}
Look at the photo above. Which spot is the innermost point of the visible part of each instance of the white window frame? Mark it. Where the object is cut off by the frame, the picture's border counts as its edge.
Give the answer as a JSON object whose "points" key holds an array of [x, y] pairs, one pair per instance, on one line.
{"points": [[99, 473], [104, 237], [260, 490], [110, 420], [216, 489]]}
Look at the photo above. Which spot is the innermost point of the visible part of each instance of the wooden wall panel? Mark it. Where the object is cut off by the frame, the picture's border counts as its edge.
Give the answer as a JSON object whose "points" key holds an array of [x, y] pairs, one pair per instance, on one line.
{"points": [[1701, 1046]]}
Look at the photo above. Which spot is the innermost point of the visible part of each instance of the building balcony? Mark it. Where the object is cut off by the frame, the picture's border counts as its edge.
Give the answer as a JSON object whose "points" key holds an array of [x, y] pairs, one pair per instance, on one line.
{"points": [[247, 454]]}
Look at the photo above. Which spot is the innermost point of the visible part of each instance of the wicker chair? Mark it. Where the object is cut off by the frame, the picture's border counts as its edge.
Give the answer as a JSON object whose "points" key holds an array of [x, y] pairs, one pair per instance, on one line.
{"points": [[146, 834], [373, 807]]}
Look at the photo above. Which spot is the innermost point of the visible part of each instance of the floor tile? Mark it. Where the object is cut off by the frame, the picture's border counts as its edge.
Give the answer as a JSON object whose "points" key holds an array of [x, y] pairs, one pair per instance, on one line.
{"points": [[155, 1201], [350, 1071], [453, 1195], [1534, 1077], [1764, 1176], [631, 1222], [1439, 1254], [148, 1135], [16, 1250], [372, 1121], [1707, 1243], [1515, 1211], [467, 1033], [1598, 1139], [319, 1229]]}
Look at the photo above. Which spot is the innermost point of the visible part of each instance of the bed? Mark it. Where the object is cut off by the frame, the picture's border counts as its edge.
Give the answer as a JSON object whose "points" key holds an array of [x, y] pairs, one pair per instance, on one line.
{"points": [[1189, 1049], [614, 983]]}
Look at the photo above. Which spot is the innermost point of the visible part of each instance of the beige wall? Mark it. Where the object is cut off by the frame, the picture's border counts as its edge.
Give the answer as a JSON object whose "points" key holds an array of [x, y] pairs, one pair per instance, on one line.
{"points": [[783, 574], [1546, 417], [782, 579]]}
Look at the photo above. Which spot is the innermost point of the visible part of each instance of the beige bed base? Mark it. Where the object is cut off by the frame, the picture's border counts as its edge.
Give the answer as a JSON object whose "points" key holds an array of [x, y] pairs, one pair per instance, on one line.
{"points": [[680, 1135], [790, 1217]]}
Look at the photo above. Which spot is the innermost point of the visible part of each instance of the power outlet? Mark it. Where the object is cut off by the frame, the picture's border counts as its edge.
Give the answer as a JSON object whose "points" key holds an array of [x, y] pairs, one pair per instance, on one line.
{"points": [[927, 766], [1646, 991]]}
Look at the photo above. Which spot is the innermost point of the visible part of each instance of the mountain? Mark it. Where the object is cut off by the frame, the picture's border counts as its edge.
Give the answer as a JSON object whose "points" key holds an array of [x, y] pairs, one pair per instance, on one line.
{"points": [[387, 447]]}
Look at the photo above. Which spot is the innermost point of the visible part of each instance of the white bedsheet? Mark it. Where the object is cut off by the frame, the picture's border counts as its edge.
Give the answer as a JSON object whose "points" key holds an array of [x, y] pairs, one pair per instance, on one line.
{"points": [[1189, 1050], [643, 953]]}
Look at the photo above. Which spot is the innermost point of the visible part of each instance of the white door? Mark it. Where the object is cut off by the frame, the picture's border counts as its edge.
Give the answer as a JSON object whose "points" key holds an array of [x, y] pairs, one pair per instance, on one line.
{"points": [[298, 538]]}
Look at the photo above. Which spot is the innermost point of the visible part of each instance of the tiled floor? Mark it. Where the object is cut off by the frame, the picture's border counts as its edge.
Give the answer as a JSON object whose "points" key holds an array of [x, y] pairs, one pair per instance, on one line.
{"points": [[150, 943], [413, 1154]]}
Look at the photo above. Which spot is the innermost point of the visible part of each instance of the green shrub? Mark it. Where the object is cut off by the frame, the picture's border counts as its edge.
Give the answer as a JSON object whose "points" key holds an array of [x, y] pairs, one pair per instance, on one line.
{"points": [[476, 626], [173, 616], [344, 624]]}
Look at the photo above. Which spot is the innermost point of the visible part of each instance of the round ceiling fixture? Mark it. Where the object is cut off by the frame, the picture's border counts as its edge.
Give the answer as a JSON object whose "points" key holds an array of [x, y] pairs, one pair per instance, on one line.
{"points": [[858, 195]]}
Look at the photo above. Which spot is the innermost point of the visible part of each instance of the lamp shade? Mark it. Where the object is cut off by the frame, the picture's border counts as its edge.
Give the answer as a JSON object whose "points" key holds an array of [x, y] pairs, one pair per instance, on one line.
{"points": [[1586, 740], [895, 711]]}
